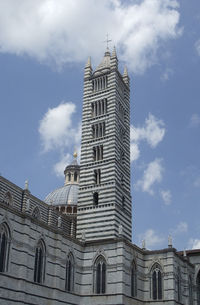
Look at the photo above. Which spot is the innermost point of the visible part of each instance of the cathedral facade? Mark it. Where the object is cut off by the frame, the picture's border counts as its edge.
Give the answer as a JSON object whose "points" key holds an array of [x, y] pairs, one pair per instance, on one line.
{"points": [[75, 247]]}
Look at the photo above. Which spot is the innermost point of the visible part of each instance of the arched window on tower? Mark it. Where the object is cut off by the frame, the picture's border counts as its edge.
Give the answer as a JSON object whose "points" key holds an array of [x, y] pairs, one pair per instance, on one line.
{"points": [[100, 275], [156, 282], [69, 176], [133, 280], [69, 281], [198, 288], [4, 247], [96, 198], [39, 268]]}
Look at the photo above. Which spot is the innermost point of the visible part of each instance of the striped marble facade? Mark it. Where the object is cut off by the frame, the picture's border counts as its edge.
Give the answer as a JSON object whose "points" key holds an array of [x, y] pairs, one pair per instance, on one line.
{"points": [[105, 153]]}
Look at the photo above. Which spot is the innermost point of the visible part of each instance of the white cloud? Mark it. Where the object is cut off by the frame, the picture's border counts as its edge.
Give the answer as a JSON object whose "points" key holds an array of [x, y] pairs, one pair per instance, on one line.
{"points": [[135, 152], [166, 196], [152, 175], [194, 244], [195, 120], [57, 132], [152, 132], [152, 239], [56, 127], [59, 167], [61, 32], [197, 46]]}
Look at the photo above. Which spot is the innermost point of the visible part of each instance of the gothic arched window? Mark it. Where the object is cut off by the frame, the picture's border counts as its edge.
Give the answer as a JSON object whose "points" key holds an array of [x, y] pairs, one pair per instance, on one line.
{"points": [[39, 267], [4, 247], [69, 281], [198, 288], [133, 280], [100, 275], [156, 282]]}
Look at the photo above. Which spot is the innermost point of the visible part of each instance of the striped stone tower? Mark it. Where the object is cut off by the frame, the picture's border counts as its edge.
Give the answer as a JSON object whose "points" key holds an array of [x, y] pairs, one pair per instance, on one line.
{"points": [[104, 204]]}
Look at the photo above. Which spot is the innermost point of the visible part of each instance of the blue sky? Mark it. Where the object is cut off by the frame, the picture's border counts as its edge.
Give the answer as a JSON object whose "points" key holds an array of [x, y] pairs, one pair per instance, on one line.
{"points": [[43, 49]]}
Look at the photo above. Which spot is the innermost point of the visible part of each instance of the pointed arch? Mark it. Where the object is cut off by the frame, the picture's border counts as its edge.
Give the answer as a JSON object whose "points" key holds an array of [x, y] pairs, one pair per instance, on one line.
{"points": [[70, 269], [156, 282], [40, 261], [100, 275], [4, 246], [133, 279]]}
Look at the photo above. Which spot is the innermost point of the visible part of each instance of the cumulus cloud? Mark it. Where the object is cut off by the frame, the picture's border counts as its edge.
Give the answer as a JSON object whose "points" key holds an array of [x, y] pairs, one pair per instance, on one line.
{"points": [[152, 239], [152, 132], [58, 133], [61, 32], [195, 120], [194, 243], [56, 126], [166, 196], [197, 46], [152, 175]]}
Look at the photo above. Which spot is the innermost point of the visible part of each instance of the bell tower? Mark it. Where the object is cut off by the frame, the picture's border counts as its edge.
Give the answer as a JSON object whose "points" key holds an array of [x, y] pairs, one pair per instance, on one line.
{"points": [[104, 204]]}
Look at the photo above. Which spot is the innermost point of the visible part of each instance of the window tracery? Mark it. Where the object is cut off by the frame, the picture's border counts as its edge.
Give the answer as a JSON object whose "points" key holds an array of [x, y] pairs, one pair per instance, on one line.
{"points": [[100, 275], [156, 278], [69, 281], [36, 213], [4, 247], [39, 267]]}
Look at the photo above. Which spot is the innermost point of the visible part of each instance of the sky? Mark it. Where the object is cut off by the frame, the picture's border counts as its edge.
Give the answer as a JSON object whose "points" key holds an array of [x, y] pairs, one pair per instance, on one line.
{"points": [[44, 45]]}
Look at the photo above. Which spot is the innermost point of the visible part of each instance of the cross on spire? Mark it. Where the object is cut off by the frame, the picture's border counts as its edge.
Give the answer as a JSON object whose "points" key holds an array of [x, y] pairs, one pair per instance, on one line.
{"points": [[107, 41]]}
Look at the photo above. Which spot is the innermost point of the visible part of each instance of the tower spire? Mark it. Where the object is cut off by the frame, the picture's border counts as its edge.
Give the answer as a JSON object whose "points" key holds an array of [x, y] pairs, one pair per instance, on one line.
{"points": [[114, 59], [126, 76], [88, 68]]}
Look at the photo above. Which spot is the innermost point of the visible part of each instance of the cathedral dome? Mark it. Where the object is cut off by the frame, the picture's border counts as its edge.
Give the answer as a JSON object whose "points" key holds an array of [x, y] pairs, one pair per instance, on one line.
{"points": [[67, 195], [63, 196]]}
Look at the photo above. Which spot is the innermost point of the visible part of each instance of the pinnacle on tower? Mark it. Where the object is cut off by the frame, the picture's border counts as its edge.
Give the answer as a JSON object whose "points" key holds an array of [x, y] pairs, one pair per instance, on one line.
{"points": [[88, 68], [88, 64], [125, 76], [114, 59], [114, 53]]}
